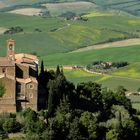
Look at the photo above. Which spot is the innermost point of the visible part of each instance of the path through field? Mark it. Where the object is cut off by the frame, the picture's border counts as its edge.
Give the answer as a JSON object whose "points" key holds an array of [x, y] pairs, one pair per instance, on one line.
{"points": [[123, 43]]}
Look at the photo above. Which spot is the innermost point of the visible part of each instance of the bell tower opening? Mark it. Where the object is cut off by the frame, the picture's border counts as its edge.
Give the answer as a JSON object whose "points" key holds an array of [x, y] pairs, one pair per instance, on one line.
{"points": [[11, 49]]}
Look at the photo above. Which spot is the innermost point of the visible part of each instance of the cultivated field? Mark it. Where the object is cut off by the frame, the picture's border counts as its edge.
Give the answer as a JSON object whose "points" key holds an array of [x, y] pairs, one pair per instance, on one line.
{"points": [[109, 81], [27, 11], [131, 6], [78, 7], [128, 42]]}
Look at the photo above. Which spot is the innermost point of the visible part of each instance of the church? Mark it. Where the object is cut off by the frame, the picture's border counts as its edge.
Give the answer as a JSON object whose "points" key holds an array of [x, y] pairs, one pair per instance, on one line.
{"points": [[18, 74]]}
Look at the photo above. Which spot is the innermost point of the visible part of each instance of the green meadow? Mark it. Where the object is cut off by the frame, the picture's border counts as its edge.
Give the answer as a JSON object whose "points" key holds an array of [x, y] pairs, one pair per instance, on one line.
{"points": [[109, 81], [132, 70], [116, 54], [58, 35]]}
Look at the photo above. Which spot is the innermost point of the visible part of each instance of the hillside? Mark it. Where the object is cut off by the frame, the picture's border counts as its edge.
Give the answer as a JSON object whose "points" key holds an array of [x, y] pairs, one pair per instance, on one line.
{"points": [[129, 54], [60, 35], [130, 6]]}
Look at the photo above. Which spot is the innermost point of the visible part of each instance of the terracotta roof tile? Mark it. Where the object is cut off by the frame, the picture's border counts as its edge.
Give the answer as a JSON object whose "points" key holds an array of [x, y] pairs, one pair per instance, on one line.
{"points": [[25, 58]]}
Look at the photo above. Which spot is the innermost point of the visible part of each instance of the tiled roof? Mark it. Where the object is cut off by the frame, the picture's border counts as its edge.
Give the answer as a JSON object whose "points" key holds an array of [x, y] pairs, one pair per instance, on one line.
{"points": [[25, 58], [5, 62]]}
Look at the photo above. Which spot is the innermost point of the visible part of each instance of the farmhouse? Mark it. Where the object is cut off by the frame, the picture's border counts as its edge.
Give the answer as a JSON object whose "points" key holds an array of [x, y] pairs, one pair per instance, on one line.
{"points": [[18, 73]]}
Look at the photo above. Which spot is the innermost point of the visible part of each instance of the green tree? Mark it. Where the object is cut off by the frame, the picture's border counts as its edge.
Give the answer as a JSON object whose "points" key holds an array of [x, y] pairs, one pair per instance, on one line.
{"points": [[42, 67], [112, 135], [58, 71], [89, 121], [90, 93], [11, 125]]}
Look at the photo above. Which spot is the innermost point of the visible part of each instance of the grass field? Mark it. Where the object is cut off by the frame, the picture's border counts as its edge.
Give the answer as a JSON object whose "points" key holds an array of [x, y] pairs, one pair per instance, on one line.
{"points": [[109, 81], [135, 99], [132, 70], [76, 7], [58, 35], [131, 6], [129, 54]]}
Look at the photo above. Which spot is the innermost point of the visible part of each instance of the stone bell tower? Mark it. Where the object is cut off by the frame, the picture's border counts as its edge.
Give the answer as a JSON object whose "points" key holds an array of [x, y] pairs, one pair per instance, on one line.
{"points": [[11, 49]]}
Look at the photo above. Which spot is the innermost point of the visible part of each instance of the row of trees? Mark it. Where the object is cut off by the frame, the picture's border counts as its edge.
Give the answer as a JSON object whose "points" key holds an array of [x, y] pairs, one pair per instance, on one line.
{"points": [[104, 67], [14, 30]]}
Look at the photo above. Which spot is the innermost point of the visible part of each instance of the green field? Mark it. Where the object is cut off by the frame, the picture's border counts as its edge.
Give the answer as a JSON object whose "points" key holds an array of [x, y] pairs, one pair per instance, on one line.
{"points": [[135, 99], [132, 70], [109, 81], [130, 6], [59, 35], [116, 54]]}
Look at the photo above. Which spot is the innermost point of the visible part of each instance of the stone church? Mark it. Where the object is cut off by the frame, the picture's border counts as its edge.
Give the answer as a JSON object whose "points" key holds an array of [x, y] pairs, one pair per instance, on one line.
{"points": [[18, 73]]}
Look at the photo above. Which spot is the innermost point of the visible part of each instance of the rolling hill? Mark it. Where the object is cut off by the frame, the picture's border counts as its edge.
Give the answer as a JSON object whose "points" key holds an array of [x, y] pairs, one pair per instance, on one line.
{"points": [[130, 6], [55, 35]]}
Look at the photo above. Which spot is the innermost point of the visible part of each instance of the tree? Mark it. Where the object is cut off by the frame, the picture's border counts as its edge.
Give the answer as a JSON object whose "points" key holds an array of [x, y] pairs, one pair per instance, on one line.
{"points": [[112, 135], [89, 121], [11, 125], [58, 71], [2, 89], [42, 67], [90, 96], [68, 15]]}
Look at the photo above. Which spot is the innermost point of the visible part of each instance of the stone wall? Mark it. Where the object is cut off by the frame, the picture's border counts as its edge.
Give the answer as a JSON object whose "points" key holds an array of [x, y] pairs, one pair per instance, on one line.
{"points": [[8, 101]]}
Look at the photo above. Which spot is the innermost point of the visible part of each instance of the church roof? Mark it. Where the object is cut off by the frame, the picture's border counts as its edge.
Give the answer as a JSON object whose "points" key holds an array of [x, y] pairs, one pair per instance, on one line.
{"points": [[25, 58], [5, 62]]}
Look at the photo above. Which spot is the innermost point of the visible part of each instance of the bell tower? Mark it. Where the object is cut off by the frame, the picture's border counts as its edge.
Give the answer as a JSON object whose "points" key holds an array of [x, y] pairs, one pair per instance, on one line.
{"points": [[11, 49]]}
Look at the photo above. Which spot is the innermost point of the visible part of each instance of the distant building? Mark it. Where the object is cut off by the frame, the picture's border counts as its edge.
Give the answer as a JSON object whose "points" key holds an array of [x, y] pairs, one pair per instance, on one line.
{"points": [[18, 73]]}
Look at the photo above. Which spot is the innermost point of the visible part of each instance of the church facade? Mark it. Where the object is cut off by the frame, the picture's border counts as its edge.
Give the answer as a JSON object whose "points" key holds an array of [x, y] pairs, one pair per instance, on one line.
{"points": [[18, 74]]}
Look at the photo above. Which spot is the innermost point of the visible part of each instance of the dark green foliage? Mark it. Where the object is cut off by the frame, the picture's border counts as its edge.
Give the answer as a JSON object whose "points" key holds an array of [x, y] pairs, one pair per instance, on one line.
{"points": [[58, 71], [103, 67], [14, 30], [90, 97], [68, 15], [11, 125], [59, 89], [42, 67]]}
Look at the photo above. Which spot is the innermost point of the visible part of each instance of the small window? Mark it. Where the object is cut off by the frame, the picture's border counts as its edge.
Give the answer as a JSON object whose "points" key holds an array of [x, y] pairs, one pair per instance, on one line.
{"points": [[30, 86], [3, 70]]}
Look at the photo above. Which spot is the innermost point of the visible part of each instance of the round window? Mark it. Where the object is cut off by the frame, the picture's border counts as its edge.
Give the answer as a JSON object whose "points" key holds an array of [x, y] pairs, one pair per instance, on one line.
{"points": [[31, 86]]}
